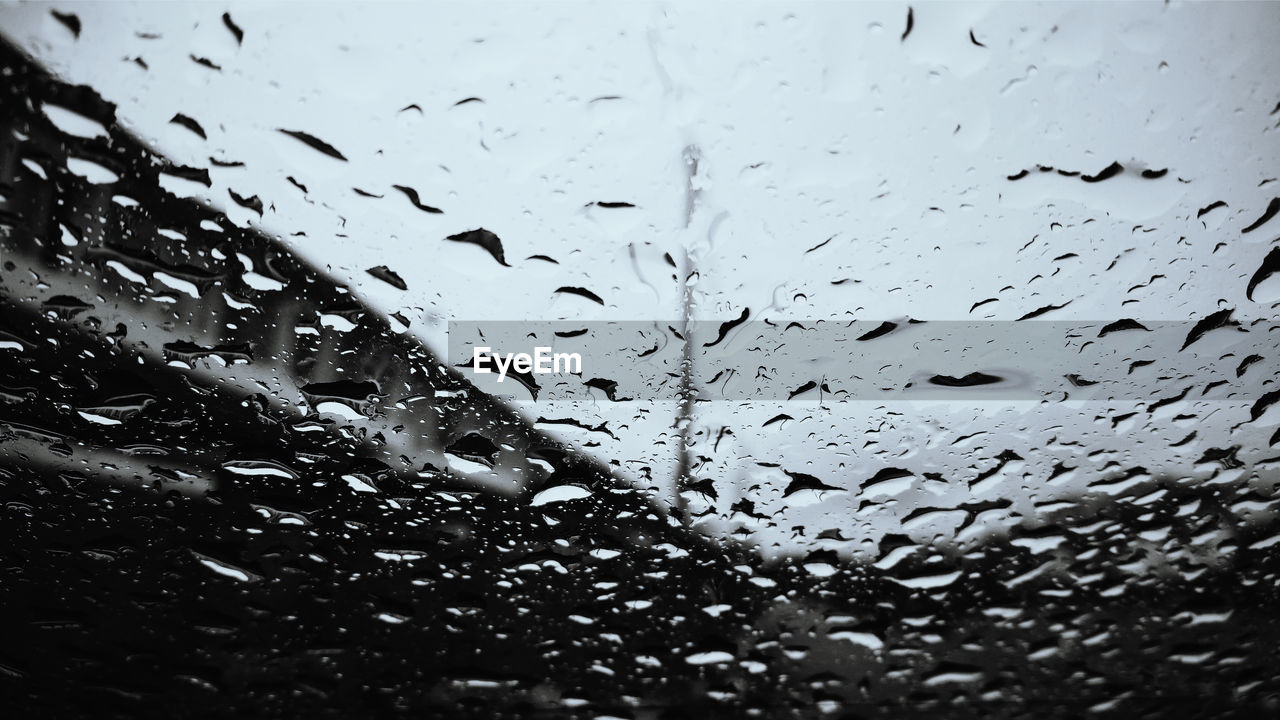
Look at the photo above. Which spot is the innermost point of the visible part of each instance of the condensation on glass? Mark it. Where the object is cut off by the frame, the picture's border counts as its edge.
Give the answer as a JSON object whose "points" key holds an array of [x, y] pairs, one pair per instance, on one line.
{"points": [[928, 358]]}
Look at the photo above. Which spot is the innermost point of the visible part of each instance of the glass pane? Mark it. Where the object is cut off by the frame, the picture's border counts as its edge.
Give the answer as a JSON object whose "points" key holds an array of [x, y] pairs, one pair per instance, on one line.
{"points": [[640, 360]]}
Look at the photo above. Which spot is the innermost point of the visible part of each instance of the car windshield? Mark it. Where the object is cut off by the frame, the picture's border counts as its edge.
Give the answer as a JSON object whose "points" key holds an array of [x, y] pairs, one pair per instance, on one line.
{"points": [[639, 360]]}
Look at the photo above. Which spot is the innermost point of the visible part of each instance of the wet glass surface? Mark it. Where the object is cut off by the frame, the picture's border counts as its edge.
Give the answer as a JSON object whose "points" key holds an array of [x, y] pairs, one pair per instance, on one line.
{"points": [[927, 360]]}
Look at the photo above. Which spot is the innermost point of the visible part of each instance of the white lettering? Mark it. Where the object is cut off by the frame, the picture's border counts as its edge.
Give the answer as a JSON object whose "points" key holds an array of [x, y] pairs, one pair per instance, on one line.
{"points": [[541, 362], [502, 367], [572, 362]]}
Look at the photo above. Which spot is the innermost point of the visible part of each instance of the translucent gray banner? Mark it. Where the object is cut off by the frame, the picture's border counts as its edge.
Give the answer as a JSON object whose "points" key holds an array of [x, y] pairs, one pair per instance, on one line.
{"points": [[1216, 358]]}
